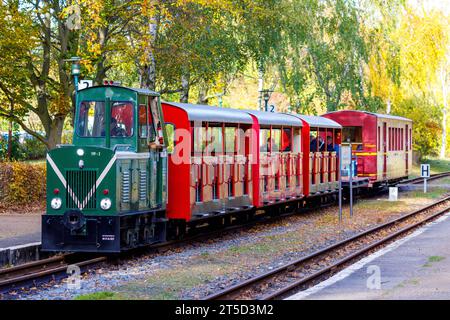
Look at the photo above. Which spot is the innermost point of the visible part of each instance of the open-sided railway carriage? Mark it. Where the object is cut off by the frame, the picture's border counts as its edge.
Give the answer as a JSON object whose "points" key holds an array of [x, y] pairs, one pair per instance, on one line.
{"points": [[209, 163], [140, 171]]}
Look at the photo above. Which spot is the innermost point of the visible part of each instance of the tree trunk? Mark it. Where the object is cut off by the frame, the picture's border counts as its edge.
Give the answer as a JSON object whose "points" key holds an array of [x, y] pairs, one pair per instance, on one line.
{"points": [[185, 88], [260, 85], [203, 95], [101, 69], [55, 134], [9, 152], [148, 72]]}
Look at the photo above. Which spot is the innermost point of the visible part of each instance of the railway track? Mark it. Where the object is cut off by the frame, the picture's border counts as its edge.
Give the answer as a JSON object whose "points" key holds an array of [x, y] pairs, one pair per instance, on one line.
{"points": [[42, 271], [309, 270], [55, 268], [432, 177]]}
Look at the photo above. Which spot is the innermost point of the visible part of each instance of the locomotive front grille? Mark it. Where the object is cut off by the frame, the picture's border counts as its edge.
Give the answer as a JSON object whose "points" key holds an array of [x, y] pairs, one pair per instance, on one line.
{"points": [[81, 191]]}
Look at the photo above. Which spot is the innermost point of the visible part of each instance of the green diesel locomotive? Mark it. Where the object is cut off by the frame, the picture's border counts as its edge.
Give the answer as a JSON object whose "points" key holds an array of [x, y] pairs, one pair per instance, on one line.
{"points": [[107, 191]]}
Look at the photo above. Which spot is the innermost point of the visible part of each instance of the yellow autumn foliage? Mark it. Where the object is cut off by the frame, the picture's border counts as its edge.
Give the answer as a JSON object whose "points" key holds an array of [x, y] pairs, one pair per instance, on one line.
{"points": [[22, 184]]}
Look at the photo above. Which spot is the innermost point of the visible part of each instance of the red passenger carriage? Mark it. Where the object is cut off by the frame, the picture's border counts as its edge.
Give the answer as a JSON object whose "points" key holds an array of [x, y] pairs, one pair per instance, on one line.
{"points": [[382, 143], [277, 171], [209, 166]]}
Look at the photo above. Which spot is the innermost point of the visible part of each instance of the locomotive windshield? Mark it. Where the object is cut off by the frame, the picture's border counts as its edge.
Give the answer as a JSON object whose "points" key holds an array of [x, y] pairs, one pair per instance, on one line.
{"points": [[91, 119]]}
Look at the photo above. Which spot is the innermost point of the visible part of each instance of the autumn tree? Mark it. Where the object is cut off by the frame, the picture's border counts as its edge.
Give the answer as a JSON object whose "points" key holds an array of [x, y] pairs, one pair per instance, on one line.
{"points": [[47, 41]]}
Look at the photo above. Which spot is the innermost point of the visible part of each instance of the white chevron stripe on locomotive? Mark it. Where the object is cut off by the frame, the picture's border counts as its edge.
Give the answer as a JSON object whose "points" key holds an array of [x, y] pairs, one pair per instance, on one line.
{"points": [[102, 176], [99, 181]]}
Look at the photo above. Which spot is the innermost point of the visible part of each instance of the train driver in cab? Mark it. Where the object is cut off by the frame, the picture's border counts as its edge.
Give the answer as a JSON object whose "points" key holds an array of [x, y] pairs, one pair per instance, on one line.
{"points": [[116, 130]]}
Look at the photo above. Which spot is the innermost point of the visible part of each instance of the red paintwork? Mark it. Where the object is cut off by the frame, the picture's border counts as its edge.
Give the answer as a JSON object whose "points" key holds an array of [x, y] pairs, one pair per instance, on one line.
{"points": [[179, 189], [178, 206], [305, 150], [367, 164], [255, 164]]}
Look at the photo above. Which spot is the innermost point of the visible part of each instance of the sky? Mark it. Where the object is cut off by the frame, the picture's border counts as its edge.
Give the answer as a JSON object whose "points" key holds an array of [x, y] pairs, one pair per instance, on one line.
{"points": [[442, 5]]}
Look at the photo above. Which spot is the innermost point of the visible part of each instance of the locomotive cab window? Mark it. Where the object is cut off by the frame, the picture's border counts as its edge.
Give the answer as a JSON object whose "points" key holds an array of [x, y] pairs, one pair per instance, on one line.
{"points": [[142, 121], [121, 119], [154, 119], [91, 119]]}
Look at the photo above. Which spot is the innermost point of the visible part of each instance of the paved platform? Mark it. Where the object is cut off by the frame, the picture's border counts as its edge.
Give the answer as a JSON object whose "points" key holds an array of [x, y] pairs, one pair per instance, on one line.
{"points": [[16, 230], [414, 267]]}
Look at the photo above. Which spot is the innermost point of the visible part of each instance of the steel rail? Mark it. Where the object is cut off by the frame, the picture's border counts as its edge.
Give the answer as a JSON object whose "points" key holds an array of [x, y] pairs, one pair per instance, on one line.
{"points": [[420, 180], [36, 270], [18, 276], [234, 291]]}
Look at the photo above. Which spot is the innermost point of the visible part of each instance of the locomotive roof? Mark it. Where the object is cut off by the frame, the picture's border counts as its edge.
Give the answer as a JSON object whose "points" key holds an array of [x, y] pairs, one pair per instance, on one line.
{"points": [[379, 115], [198, 112], [142, 91], [318, 122], [275, 118]]}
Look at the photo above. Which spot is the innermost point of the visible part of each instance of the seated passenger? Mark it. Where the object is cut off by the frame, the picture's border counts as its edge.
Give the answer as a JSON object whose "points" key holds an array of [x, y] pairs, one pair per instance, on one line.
{"points": [[321, 144], [312, 144], [271, 145], [330, 145]]}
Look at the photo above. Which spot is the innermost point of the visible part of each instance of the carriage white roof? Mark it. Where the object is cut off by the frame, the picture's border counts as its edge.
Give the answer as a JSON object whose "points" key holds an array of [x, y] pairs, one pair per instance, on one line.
{"points": [[198, 112], [388, 116], [275, 118], [318, 122], [379, 115]]}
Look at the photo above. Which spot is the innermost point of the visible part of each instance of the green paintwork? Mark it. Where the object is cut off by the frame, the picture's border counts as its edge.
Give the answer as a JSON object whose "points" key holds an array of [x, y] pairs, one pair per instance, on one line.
{"points": [[94, 158], [144, 168]]}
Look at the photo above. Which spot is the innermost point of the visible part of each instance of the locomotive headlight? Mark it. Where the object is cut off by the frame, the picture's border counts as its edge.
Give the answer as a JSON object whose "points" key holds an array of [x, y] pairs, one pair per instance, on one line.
{"points": [[105, 204], [56, 203], [80, 152]]}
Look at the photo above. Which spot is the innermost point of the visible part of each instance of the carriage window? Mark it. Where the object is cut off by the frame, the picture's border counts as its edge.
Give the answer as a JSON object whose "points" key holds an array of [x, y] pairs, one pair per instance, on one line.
{"points": [[286, 143], [264, 140], [313, 147], [379, 138], [91, 119], [199, 139], [275, 140], [230, 134], [215, 140], [142, 121], [403, 139], [352, 133], [170, 130], [297, 140]]}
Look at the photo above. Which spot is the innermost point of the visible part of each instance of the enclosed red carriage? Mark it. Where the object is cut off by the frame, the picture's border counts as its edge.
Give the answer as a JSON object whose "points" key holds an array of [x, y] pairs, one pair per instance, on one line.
{"points": [[381, 143]]}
